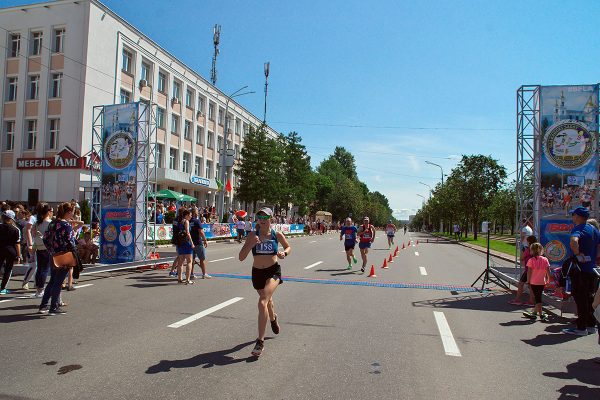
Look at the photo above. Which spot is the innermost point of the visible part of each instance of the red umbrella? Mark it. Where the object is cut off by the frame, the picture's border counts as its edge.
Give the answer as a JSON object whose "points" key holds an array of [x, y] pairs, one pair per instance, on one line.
{"points": [[241, 214]]}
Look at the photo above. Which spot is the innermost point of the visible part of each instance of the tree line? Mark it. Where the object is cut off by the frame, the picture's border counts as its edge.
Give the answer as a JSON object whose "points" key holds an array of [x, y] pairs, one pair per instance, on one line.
{"points": [[476, 190], [277, 171]]}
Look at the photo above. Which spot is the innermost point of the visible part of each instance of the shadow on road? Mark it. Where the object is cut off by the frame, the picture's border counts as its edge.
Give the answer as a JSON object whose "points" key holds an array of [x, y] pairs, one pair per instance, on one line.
{"points": [[584, 371], [489, 301], [204, 360], [551, 339], [149, 285], [579, 392]]}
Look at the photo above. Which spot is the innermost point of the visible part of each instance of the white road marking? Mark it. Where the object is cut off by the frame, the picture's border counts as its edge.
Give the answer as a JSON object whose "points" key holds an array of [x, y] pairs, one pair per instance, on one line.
{"points": [[221, 259], [204, 313], [417, 253], [423, 271], [314, 265], [82, 286], [314, 241], [5, 301], [450, 346]]}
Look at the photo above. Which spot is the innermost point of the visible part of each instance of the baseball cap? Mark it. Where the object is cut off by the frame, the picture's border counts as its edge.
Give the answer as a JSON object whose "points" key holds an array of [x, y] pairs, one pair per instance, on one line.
{"points": [[581, 211], [266, 211], [10, 214]]}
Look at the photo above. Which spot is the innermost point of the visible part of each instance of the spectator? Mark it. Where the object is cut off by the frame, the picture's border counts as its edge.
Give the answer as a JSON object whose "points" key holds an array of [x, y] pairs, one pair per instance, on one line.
{"points": [[538, 275], [60, 242], [526, 231], [44, 262], [10, 246], [584, 246]]}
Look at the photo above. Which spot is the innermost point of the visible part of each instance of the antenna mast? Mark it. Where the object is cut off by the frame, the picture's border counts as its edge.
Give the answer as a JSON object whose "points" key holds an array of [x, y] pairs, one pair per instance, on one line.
{"points": [[216, 39]]}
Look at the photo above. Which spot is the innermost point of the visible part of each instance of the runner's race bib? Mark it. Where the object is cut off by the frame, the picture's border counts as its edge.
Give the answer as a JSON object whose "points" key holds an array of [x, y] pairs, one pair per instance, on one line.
{"points": [[265, 248]]}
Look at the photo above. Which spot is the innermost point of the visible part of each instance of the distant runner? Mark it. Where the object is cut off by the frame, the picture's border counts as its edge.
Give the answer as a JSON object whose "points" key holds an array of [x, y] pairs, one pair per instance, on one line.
{"points": [[348, 233], [366, 233], [405, 229], [390, 229]]}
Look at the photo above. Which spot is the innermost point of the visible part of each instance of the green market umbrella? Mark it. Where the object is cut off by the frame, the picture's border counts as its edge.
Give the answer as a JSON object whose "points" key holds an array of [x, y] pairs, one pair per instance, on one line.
{"points": [[172, 195]]}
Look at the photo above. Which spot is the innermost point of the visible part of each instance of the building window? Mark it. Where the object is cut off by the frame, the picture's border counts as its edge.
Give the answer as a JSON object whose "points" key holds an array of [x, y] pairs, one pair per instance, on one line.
{"points": [[185, 166], [15, 44], [246, 129], [210, 139], [53, 134], [162, 82], [160, 117], [201, 104], [221, 115], [176, 90], [127, 61], [34, 87], [211, 111], [189, 95], [159, 155], [238, 124], [59, 40], [11, 89], [198, 166], [219, 142], [199, 134], [208, 170], [187, 130], [125, 96], [237, 151], [36, 43], [146, 73], [9, 135], [31, 137], [56, 85], [174, 124], [172, 158], [218, 171]]}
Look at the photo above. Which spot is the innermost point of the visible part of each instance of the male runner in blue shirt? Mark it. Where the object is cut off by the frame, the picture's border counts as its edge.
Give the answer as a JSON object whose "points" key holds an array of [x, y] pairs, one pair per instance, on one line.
{"points": [[348, 233]]}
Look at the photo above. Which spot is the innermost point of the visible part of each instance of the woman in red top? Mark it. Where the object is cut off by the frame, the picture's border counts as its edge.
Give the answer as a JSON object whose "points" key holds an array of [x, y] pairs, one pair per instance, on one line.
{"points": [[366, 234]]}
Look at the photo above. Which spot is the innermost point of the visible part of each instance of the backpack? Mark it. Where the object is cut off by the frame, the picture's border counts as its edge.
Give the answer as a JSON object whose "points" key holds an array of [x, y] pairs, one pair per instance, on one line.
{"points": [[175, 233], [49, 238]]}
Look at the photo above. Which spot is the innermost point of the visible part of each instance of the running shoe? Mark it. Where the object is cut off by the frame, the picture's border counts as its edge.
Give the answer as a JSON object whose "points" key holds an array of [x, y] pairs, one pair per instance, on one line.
{"points": [[25, 286], [349, 268], [206, 276], [173, 273], [545, 317], [362, 269], [71, 288], [275, 326], [43, 310], [591, 330], [192, 277], [39, 293], [354, 259], [258, 348], [575, 331], [190, 282], [57, 311], [4, 291], [530, 314]]}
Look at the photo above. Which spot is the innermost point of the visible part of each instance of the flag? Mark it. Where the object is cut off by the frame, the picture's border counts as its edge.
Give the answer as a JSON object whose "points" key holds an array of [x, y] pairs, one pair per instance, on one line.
{"points": [[228, 186], [219, 184]]}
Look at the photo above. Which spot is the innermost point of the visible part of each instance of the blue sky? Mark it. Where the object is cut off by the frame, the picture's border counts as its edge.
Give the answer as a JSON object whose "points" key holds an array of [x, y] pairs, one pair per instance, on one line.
{"points": [[390, 67]]}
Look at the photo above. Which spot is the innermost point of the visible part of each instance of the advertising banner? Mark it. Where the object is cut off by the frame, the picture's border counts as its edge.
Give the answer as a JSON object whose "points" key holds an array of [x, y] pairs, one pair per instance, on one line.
{"points": [[216, 231], [119, 183], [569, 162]]}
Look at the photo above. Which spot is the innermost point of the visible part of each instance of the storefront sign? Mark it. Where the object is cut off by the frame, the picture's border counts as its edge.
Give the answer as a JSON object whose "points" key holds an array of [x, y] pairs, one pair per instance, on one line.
{"points": [[64, 159], [196, 180]]}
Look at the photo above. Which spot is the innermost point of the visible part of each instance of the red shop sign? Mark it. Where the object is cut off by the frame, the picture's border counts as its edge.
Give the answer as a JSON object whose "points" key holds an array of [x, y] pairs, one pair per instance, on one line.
{"points": [[64, 159]]}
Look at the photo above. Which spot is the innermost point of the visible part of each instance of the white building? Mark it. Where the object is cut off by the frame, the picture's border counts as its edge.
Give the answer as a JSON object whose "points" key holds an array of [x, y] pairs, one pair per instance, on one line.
{"points": [[60, 59]]}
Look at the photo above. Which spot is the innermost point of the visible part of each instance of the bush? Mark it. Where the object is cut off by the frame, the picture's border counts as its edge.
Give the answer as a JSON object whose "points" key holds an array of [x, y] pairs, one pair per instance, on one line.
{"points": [[86, 211], [169, 217]]}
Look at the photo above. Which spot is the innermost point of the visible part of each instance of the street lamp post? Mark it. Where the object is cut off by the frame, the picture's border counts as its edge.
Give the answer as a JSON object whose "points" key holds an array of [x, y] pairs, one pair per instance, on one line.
{"points": [[423, 203], [223, 150], [441, 169], [430, 189]]}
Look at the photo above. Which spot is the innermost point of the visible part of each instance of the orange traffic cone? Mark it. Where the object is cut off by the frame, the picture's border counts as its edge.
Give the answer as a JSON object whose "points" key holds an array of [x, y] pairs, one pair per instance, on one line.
{"points": [[384, 264], [372, 273], [396, 253], [417, 242], [390, 259], [403, 246]]}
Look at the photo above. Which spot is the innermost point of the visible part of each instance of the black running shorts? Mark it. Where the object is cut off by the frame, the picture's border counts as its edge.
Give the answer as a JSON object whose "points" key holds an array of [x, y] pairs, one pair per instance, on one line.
{"points": [[260, 276]]}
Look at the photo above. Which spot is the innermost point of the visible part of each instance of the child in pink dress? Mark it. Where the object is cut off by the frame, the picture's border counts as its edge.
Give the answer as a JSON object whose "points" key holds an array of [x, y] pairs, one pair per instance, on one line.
{"points": [[538, 275]]}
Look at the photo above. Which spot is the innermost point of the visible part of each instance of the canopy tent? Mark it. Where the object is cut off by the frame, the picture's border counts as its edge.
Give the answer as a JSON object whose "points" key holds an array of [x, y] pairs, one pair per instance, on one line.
{"points": [[171, 195]]}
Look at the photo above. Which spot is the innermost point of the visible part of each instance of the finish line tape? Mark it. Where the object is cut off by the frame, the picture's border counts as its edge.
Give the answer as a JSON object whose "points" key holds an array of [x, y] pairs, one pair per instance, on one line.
{"points": [[397, 285]]}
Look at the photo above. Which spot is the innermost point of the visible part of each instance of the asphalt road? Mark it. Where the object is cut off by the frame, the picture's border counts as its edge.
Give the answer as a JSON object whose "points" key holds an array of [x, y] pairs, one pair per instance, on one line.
{"points": [[421, 334]]}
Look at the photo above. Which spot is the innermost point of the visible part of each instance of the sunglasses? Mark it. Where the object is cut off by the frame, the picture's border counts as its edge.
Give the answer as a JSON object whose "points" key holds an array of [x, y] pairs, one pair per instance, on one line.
{"points": [[263, 217]]}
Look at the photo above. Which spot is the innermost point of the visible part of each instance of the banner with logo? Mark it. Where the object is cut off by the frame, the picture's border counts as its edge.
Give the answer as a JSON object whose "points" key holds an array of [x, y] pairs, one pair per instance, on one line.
{"points": [[216, 231], [569, 162], [119, 183]]}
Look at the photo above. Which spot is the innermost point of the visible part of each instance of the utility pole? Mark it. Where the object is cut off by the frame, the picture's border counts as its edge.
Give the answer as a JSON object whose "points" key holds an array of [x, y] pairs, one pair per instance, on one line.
{"points": [[216, 40], [267, 65]]}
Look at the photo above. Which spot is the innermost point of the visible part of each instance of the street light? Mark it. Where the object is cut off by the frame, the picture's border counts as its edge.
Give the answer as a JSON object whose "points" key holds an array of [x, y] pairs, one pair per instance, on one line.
{"points": [[437, 165], [223, 156], [430, 190]]}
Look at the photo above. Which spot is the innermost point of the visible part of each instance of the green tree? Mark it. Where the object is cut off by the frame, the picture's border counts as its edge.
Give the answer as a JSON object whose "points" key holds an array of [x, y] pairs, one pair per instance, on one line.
{"points": [[299, 186], [346, 160]]}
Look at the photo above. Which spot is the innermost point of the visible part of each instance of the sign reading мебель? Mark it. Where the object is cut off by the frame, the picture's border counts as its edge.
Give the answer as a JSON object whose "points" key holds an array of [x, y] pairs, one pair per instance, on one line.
{"points": [[569, 162], [119, 183]]}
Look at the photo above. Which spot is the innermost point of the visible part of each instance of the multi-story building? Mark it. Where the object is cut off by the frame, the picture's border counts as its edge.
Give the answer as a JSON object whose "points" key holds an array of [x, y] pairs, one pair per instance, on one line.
{"points": [[60, 59]]}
